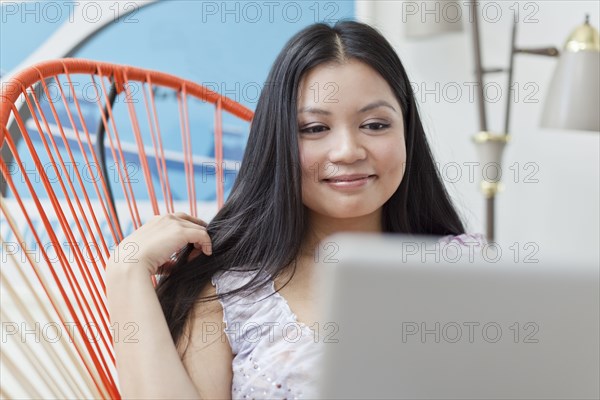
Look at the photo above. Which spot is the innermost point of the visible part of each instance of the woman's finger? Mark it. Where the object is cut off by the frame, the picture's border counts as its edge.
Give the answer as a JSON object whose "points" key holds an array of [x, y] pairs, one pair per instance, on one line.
{"points": [[191, 225], [199, 237], [191, 218]]}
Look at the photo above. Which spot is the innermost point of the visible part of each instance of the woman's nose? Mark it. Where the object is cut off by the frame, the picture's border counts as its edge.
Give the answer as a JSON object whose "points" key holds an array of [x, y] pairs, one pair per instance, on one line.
{"points": [[346, 147]]}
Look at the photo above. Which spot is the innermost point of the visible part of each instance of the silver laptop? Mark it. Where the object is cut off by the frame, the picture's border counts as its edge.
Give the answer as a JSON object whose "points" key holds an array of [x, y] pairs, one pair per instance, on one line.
{"points": [[412, 324]]}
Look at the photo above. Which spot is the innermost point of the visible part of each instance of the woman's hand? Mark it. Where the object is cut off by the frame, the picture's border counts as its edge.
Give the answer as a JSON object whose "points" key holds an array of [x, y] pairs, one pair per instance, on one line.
{"points": [[156, 241]]}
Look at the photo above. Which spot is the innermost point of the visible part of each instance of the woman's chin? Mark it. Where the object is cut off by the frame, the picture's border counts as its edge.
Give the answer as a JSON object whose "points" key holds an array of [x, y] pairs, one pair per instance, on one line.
{"points": [[348, 213]]}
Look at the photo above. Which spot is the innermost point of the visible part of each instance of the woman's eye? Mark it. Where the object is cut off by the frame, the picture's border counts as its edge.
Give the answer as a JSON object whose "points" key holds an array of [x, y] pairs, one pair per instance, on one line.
{"points": [[377, 126], [313, 129]]}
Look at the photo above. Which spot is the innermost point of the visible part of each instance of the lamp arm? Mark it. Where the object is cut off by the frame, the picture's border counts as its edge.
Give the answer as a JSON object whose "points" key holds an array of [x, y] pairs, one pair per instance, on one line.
{"points": [[540, 51], [511, 63], [478, 66]]}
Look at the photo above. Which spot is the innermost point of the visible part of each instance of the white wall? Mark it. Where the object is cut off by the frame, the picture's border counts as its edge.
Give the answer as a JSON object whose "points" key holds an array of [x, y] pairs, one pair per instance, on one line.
{"points": [[559, 212]]}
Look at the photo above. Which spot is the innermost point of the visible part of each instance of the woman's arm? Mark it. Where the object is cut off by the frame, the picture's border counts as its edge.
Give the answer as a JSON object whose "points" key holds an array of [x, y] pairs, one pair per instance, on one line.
{"points": [[148, 363], [208, 357]]}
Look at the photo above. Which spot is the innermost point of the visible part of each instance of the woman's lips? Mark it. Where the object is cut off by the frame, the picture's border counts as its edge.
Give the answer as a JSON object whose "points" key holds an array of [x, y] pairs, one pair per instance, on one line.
{"points": [[349, 181]]}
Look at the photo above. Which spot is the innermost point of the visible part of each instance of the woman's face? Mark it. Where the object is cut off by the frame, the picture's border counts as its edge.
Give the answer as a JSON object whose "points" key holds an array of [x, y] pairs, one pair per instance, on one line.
{"points": [[351, 138]]}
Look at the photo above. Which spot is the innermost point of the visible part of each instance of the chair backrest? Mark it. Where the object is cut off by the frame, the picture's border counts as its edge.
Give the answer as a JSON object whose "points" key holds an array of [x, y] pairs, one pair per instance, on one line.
{"points": [[89, 151]]}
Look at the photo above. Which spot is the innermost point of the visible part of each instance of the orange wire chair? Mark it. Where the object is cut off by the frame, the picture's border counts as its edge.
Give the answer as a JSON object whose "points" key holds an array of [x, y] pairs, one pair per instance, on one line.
{"points": [[61, 218]]}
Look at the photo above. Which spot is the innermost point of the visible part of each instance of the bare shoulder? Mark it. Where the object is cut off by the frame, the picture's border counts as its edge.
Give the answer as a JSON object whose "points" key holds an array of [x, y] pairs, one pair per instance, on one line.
{"points": [[205, 351]]}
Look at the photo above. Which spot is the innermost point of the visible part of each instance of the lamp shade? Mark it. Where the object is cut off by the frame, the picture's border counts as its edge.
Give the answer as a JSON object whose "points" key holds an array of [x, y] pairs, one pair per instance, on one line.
{"points": [[573, 98]]}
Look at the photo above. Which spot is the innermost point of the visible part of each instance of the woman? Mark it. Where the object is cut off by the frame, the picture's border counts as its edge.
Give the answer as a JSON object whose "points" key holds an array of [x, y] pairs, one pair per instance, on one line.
{"points": [[336, 144]]}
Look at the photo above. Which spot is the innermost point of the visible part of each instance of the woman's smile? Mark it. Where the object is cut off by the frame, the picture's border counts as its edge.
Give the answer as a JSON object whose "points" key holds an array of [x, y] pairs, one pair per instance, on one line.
{"points": [[350, 182]]}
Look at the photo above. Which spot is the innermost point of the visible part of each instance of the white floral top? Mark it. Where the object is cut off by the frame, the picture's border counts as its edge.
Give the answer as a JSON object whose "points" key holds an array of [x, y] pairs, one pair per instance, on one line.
{"points": [[275, 356]]}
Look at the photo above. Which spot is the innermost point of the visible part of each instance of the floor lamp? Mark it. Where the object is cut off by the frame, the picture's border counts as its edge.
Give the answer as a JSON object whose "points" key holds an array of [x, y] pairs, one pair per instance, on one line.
{"points": [[572, 101]]}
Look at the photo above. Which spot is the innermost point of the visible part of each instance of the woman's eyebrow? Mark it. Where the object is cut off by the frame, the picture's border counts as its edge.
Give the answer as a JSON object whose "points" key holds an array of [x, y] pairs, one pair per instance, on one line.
{"points": [[368, 107], [375, 104], [313, 110]]}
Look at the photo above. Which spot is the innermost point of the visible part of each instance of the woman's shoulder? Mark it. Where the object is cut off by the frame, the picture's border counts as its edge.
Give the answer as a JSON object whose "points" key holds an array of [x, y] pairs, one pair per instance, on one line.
{"points": [[465, 239], [225, 280]]}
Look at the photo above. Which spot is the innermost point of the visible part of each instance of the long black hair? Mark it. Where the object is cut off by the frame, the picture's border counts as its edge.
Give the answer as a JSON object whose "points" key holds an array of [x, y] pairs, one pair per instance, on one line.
{"points": [[261, 225]]}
